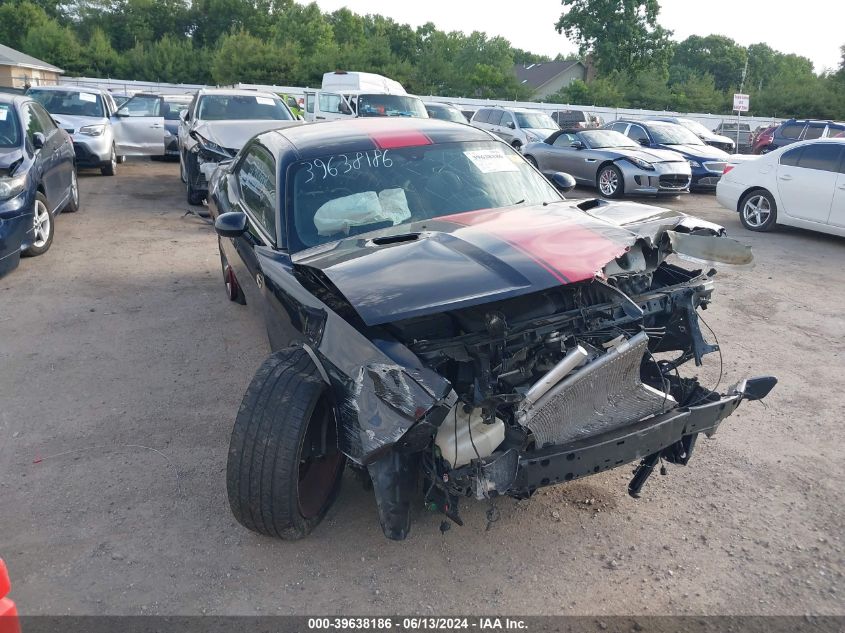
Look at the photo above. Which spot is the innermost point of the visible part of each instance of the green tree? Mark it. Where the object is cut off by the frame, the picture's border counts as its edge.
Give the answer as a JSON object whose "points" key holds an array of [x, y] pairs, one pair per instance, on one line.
{"points": [[54, 44], [617, 34], [244, 58], [102, 60], [698, 93], [16, 18], [716, 55]]}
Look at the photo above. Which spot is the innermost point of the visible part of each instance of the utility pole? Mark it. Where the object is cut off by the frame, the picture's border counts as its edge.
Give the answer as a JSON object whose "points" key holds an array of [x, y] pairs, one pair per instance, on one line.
{"points": [[741, 91]]}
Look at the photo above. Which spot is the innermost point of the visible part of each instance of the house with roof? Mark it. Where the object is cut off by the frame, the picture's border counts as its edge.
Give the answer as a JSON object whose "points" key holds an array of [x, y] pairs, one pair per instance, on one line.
{"points": [[18, 70], [547, 78]]}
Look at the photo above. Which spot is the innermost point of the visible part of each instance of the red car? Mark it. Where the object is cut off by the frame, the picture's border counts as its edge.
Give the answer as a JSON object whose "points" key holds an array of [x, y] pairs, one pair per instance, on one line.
{"points": [[763, 139], [8, 611]]}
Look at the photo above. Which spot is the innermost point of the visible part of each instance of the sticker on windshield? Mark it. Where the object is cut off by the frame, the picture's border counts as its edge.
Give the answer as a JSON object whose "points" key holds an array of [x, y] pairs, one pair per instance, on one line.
{"points": [[87, 96], [4, 112], [489, 161], [265, 101]]}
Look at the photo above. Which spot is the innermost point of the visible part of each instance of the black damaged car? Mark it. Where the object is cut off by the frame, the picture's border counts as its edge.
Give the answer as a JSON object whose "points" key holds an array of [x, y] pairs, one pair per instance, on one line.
{"points": [[443, 321]]}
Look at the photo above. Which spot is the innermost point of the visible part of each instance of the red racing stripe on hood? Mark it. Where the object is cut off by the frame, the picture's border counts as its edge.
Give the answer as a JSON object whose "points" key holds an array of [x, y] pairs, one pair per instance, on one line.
{"points": [[559, 242]]}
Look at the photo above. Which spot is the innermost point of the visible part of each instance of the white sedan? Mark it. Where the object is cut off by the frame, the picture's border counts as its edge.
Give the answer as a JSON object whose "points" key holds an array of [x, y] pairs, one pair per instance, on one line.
{"points": [[801, 185]]}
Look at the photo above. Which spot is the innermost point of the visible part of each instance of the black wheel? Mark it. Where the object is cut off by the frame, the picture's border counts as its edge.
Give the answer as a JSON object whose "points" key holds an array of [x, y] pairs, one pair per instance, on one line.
{"points": [[72, 205], [284, 469], [758, 211], [109, 168], [121, 159], [195, 196], [42, 228], [531, 160], [609, 181], [233, 288], [517, 146]]}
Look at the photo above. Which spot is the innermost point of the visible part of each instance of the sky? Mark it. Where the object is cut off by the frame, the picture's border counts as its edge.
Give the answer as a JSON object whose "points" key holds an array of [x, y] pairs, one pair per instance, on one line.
{"points": [[529, 25]]}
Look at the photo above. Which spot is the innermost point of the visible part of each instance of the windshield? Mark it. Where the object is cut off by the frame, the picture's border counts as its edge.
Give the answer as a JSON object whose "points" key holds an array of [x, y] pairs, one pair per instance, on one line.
{"points": [[353, 193], [671, 134], [445, 113], [70, 102], [10, 134], [242, 107], [176, 106], [695, 127], [391, 105], [536, 121], [598, 139]]}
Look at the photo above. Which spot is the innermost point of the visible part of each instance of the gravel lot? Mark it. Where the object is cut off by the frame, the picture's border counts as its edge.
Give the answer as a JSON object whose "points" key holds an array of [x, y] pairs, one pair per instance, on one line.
{"points": [[122, 366]]}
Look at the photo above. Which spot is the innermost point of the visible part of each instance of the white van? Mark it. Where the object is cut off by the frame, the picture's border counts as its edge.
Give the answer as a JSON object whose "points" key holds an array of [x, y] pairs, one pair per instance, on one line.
{"points": [[346, 95]]}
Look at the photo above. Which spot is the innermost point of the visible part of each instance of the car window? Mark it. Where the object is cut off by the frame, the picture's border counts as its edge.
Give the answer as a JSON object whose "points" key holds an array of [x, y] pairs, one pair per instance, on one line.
{"points": [[378, 105], [564, 140], [257, 183], [495, 117], [673, 134], [46, 121], [637, 133], [790, 158], [598, 139], [535, 121], [226, 107], [174, 107], [10, 133], [309, 102], [330, 102], [619, 127], [338, 195], [30, 121], [821, 157], [141, 105], [792, 130], [70, 102], [813, 132], [507, 119]]}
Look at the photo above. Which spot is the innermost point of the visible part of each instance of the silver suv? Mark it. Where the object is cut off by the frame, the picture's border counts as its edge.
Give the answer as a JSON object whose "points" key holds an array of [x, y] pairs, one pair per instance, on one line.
{"points": [[517, 126]]}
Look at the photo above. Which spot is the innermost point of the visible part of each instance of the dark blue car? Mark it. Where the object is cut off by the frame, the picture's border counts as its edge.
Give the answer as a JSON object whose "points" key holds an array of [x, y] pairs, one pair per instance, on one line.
{"points": [[706, 162], [37, 179]]}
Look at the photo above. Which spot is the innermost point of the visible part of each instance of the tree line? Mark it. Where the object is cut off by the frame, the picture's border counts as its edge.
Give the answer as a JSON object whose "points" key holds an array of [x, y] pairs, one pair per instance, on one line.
{"points": [[635, 62]]}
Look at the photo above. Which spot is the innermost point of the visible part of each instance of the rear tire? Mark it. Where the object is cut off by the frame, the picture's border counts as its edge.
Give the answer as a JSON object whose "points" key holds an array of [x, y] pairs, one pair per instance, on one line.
{"points": [[758, 211], [72, 205], [532, 160], [277, 482]]}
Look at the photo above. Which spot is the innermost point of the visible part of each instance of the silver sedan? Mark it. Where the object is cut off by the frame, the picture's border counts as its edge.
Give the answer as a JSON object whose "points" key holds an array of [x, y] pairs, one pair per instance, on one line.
{"points": [[612, 162]]}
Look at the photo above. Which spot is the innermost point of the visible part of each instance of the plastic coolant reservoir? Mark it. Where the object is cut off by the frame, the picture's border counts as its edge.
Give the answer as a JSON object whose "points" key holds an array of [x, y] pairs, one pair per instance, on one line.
{"points": [[456, 446]]}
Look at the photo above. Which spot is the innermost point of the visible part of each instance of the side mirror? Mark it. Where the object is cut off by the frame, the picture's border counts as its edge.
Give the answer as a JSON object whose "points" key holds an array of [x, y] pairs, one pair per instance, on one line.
{"points": [[122, 112], [231, 224], [563, 182], [576, 145], [510, 125], [644, 142], [38, 140]]}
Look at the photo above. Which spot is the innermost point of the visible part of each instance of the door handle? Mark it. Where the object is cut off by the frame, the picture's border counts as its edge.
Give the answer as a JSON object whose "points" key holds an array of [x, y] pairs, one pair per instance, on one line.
{"points": [[842, 186], [156, 125], [322, 118], [786, 177], [589, 160]]}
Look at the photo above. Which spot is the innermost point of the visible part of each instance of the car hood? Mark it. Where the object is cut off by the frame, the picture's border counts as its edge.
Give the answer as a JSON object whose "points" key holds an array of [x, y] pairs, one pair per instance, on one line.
{"points": [[235, 134], [540, 133], [482, 256], [9, 156], [71, 122], [718, 138], [698, 152], [652, 155]]}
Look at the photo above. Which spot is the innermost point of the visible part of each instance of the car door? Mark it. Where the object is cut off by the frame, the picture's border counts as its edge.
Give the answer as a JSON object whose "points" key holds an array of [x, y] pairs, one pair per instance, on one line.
{"points": [[255, 178], [507, 127], [60, 148], [638, 134], [837, 206], [45, 156], [138, 126], [806, 179], [565, 158]]}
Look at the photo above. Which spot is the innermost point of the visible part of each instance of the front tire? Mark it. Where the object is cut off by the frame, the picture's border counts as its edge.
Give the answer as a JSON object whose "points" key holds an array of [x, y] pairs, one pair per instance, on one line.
{"points": [[195, 196], [758, 211], [110, 167], [609, 182], [532, 160], [43, 228], [284, 469]]}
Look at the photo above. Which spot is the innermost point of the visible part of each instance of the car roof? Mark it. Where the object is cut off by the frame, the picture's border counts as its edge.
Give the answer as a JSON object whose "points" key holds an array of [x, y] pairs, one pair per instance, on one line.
{"points": [[234, 92], [70, 88], [11, 98], [364, 134]]}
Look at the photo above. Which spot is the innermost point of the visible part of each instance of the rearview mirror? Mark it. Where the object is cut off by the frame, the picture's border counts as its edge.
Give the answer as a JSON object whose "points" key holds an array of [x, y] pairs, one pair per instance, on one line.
{"points": [[231, 224], [563, 182], [38, 140]]}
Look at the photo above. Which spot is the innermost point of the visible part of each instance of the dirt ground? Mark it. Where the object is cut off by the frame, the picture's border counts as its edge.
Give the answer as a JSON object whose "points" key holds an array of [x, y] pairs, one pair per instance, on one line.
{"points": [[122, 365]]}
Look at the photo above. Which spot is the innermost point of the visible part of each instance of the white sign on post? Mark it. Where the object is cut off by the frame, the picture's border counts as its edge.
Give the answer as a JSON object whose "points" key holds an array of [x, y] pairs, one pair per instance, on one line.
{"points": [[741, 103]]}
